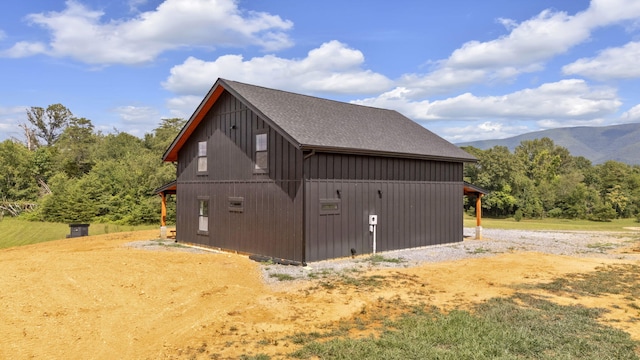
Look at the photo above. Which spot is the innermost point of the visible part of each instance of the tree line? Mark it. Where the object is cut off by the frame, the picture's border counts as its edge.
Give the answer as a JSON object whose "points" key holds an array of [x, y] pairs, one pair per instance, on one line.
{"points": [[65, 171], [541, 179], [62, 170]]}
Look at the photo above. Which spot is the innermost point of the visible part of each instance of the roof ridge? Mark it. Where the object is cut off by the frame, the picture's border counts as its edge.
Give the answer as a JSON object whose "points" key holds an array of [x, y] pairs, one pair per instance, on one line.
{"points": [[306, 95]]}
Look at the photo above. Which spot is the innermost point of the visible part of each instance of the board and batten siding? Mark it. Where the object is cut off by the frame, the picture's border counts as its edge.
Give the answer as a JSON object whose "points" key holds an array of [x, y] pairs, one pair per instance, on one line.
{"points": [[271, 218], [418, 203]]}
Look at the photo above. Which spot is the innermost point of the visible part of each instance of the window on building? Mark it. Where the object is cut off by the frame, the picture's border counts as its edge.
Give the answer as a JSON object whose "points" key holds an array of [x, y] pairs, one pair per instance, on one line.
{"points": [[202, 156], [203, 216], [262, 158]]}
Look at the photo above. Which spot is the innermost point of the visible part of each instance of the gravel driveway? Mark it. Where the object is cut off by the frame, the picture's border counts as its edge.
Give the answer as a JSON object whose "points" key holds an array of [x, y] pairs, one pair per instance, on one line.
{"points": [[495, 241]]}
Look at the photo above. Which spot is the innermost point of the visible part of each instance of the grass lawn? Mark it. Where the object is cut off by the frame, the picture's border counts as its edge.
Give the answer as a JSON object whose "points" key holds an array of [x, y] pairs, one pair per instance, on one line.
{"points": [[552, 224], [16, 232], [521, 326]]}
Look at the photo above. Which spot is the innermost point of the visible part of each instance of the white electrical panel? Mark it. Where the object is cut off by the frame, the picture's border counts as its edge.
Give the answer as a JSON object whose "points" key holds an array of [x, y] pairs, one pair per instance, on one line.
{"points": [[373, 219]]}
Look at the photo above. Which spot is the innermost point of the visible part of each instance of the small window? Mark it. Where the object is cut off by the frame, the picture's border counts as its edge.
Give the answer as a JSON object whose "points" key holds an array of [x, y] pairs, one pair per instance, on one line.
{"points": [[329, 206], [203, 216], [262, 158], [202, 156], [236, 204]]}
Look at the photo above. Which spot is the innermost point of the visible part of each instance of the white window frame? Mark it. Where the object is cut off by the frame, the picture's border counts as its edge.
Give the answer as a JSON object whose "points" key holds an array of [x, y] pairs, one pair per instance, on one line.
{"points": [[203, 215], [262, 152], [202, 157]]}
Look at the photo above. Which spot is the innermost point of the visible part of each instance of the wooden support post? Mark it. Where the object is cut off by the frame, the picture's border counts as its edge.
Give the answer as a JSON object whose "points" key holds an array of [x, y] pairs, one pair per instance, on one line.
{"points": [[479, 217], [163, 220], [163, 216]]}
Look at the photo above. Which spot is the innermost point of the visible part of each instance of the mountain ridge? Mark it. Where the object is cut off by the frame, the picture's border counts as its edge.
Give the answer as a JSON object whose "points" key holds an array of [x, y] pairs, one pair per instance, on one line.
{"points": [[598, 144]]}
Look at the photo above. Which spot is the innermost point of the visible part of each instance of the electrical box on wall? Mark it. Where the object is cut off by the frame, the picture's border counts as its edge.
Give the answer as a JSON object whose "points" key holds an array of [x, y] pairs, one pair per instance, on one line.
{"points": [[373, 219]]}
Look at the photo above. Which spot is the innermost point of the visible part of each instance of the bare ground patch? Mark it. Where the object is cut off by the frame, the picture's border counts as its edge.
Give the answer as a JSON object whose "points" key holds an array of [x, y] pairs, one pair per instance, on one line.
{"points": [[94, 297]]}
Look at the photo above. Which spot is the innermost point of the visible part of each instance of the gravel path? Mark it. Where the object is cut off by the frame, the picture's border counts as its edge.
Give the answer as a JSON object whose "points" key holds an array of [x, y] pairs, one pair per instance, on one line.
{"points": [[571, 243], [495, 241]]}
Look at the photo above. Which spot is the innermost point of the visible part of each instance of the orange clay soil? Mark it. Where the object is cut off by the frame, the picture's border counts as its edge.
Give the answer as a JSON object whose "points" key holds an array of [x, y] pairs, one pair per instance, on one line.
{"points": [[94, 298]]}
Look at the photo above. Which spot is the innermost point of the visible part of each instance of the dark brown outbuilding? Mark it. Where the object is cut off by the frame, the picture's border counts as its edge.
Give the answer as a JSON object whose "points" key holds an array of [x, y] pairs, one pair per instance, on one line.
{"points": [[289, 176]]}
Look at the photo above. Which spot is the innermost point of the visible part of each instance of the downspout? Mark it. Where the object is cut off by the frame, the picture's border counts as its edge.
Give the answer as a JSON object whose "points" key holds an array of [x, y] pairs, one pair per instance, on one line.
{"points": [[304, 209], [313, 152]]}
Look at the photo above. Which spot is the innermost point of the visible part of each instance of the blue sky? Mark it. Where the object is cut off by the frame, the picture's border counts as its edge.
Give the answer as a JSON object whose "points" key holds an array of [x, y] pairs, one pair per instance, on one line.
{"points": [[465, 69]]}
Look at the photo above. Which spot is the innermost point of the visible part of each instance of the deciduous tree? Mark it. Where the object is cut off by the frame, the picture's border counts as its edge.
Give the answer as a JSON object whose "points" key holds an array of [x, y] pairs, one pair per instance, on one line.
{"points": [[49, 123]]}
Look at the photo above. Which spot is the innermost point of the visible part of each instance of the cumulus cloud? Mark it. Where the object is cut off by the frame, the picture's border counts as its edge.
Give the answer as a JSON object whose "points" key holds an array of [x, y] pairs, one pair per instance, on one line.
{"points": [[81, 33], [566, 99], [631, 115], [526, 47], [531, 41], [331, 68], [612, 63], [482, 131]]}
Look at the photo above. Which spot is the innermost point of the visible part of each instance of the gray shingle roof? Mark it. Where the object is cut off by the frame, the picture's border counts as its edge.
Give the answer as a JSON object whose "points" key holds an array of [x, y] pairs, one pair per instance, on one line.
{"points": [[316, 123]]}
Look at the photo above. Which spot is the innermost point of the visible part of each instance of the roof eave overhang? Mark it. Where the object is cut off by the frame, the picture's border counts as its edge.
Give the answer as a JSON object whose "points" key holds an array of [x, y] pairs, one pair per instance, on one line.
{"points": [[473, 189], [169, 188], [385, 153], [172, 152]]}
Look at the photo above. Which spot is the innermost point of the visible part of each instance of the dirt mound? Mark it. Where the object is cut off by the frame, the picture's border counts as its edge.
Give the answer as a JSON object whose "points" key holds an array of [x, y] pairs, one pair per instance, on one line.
{"points": [[94, 297]]}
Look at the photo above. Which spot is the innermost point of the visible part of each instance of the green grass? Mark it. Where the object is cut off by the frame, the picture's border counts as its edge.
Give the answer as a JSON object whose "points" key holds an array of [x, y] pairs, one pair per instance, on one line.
{"points": [[523, 326], [610, 279], [377, 259], [552, 224], [16, 232], [519, 327], [282, 277]]}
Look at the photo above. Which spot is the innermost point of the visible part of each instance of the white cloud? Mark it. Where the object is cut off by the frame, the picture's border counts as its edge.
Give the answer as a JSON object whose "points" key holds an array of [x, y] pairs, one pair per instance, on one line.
{"points": [[331, 68], [526, 47], [135, 120], [566, 99], [612, 63], [605, 12], [24, 49], [80, 33], [631, 115], [531, 41], [482, 131], [183, 106], [10, 118], [554, 123], [137, 114]]}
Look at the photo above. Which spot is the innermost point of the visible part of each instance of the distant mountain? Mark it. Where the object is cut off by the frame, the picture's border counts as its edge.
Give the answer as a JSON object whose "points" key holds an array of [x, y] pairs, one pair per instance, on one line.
{"points": [[598, 144]]}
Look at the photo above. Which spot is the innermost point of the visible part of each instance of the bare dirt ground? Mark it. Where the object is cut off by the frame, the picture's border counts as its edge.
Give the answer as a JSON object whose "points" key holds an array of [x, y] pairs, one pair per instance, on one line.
{"points": [[95, 298]]}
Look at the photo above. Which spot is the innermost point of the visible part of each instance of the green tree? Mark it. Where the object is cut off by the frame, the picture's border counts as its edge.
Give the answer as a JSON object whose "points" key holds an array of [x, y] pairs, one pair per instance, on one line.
{"points": [[494, 171], [163, 135], [17, 180], [541, 159], [71, 201], [75, 147], [49, 123]]}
